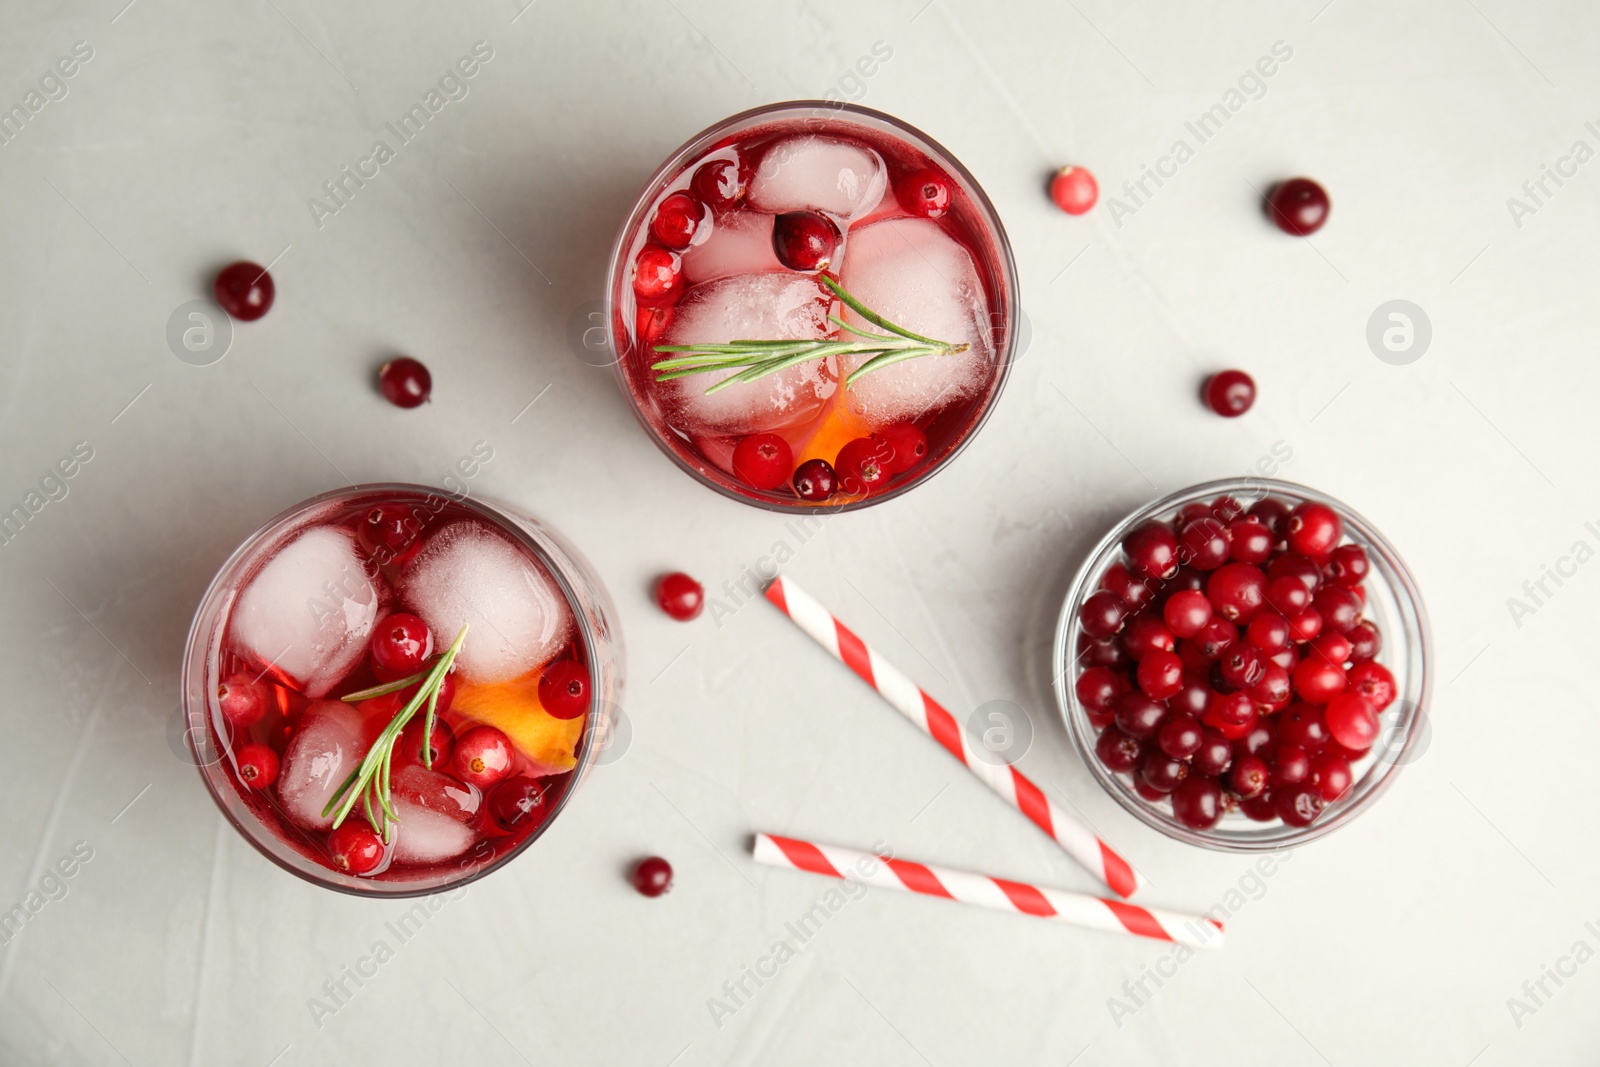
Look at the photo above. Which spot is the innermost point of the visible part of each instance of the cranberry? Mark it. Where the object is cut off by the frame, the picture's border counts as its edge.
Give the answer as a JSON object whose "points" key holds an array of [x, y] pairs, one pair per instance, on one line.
{"points": [[1215, 637], [907, 446], [1333, 648], [676, 220], [1186, 611], [1288, 595], [1290, 765], [405, 382], [1160, 674], [1215, 754], [386, 532], [1192, 697], [1288, 658], [1268, 631], [862, 466], [1250, 541], [483, 756], [399, 645], [814, 480], [1197, 802], [1303, 726], [1260, 808], [517, 804], [1339, 608], [680, 596], [1226, 509], [1307, 625], [1274, 691], [1074, 190], [1232, 713], [1237, 591], [442, 741], [1144, 634], [1099, 687], [1374, 682], [804, 240], [1248, 775], [1161, 772], [1350, 755], [1292, 564], [242, 700], [1271, 513], [763, 460], [1242, 665], [1352, 721], [1318, 681], [653, 876], [1118, 751], [1204, 544], [1298, 807], [1230, 393], [1366, 641], [657, 275], [1152, 549], [1154, 796], [1195, 663], [1187, 578], [1313, 530], [1256, 742], [564, 689], [257, 765], [1180, 737], [1330, 776], [355, 848], [1102, 614], [1104, 653], [1348, 565], [1130, 588], [925, 193], [720, 183], [650, 324], [1138, 715], [1298, 206], [244, 290]]}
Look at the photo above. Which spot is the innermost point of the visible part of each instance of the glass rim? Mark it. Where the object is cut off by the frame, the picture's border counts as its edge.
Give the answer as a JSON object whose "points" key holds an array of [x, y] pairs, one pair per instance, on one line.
{"points": [[1364, 791], [1008, 280], [197, 651]]}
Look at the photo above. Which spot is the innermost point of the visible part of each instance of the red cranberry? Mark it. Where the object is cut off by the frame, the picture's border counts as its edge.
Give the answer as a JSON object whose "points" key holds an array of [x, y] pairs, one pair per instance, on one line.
{"points": [[676, 220], [1204, 544], [1298, 206], [1348, 565], [1074, 190], [1248, 776], [1144, 634], [1366, 641], [1186, 611], [1138, 715], [1290, 765], [244, 290], [804, 240], [1292, 564], [442, 744], [1187, 578], [1307, 625], [720, 183], [1274, 691], [657, 275], [1154, 796], [1250, 541], [1334, 648], [1288, 658], [1197, 802], [1303, 726], [1102, 614], [483, 756], [650, 324], [908, 446], [1271, 513], [1352, 721], [925, 193], [1192, 697], [1256, 742], [243, 701], [1152, 549], [1375, 684], [1339, 608], [1104, 653], [763, 460], [1230, 393], [862, 467], [1317, 681], [399, 645], [1160, 674], [680, 596], [1099, 687], [814, 480], [1118, 751], [1260, 808], [1215, 754], [1180, 737], [355, 848], [1161, 772], [1133, 590], [517, 804], [1268, 631], [405, 382], [1216, 637], [1232, 713], [1299, 806], [1288, 595], [1237, 591], [1330, 776], [564, 689], [1242, 665], [653, 876], [1226, 509], [1313, 530], [257, 764], [1195, 663]]}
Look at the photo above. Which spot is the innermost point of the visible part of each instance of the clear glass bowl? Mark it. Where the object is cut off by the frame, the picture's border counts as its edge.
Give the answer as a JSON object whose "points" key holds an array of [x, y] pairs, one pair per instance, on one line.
{"points": [[1393, 603], [993, 260], [206, 731]]}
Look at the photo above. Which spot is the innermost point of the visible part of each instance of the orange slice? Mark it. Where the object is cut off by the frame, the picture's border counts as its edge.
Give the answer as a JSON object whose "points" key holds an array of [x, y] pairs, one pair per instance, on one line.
{"points": [[513, 708], [837, 427]]}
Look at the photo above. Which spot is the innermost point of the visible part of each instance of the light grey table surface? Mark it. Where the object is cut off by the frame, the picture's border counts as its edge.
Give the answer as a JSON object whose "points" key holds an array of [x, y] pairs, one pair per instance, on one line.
{"points": [[198, 133]]}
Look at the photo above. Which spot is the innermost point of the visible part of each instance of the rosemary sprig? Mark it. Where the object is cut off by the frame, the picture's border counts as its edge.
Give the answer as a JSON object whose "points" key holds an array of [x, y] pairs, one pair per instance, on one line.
{"points": [[757, 359], [369, 782]]}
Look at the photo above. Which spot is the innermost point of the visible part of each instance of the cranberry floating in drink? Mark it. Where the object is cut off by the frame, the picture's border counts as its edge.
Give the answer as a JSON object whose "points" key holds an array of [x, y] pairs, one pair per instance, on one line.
{"points": [[812, 306], [368, 687]]}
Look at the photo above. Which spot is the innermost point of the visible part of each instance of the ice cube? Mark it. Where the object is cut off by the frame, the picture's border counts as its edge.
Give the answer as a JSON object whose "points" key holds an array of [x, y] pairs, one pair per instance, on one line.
{"points": [[321, 755], [812, 173], [740, 243], [424, 836], [438, 792], [748, 307], [308, 613], [916, 276], [469, 573]]}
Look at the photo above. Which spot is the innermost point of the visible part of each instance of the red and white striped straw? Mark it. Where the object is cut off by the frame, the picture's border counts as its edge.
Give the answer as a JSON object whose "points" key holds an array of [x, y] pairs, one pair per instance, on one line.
{"points": [[985, 891], [1015, 788]]}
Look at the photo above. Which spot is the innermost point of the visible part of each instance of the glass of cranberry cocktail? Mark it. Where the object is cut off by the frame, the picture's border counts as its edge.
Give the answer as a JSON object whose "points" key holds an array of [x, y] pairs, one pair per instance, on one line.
{"points": [[812, 306]]}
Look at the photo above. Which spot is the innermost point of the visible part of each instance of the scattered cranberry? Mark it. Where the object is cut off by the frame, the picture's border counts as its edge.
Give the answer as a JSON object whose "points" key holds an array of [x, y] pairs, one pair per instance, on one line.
{"points": [[862, 466], [1152, 549], [405, 382], [763, 460], [653, 876], [355, 847], [1074, 190], [1102, 614], [1230, 393], [399, 645], [258, 765], [676, 220], [907, 446], [245, 291], [925, 193], [1298, 206], [1197, 802], [242, 700], [483, 756], [564, 689], [516, 804], [804, 240], [720, 183], [814, 480], [657, 275], [680, 596]]}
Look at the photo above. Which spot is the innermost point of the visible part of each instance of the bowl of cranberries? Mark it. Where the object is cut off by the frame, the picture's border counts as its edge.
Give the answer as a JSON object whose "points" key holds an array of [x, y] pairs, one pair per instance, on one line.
{"points": [[1244, 664]]}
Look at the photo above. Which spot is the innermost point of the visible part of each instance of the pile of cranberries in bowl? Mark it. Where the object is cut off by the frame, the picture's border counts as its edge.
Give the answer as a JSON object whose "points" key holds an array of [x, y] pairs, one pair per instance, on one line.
{"points": [[1227, 670]]}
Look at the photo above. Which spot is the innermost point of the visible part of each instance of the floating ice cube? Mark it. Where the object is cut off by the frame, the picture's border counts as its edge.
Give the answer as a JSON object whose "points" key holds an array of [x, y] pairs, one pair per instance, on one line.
{"points": [[424, 836], [438, 792], [740, 243], [916, 276], [469, 573], [309, 612], [323, 752], [748, 307], [818, 174]]}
